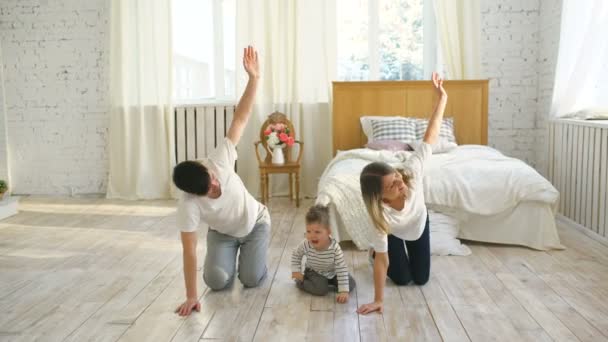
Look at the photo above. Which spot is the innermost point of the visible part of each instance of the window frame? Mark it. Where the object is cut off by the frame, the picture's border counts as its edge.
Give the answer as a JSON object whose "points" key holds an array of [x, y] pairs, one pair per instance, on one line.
{"points": [[431, 58], [219, 80]]}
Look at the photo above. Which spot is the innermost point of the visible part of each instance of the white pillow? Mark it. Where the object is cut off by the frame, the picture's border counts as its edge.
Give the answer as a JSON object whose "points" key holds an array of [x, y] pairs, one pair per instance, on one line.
{"points": [[368, 130], [443, 244], [444, 230], [590, 114]]}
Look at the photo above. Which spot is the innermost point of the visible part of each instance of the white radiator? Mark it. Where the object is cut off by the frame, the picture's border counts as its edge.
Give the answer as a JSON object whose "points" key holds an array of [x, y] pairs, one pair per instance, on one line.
{"points": [[578, 168], [199, 128]]}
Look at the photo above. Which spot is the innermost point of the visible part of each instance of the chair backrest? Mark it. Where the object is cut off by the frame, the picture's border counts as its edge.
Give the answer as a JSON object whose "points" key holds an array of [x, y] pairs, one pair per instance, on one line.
{"points": [[277, 118]]}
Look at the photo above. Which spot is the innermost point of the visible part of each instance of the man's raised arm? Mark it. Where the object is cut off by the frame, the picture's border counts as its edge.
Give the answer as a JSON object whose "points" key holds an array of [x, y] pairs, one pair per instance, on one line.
{"points": [[245, 105]]}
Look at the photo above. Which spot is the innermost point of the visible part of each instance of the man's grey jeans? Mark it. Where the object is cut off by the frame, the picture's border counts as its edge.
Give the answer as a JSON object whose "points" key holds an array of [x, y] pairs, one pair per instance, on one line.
{"points": [[220, 263]]}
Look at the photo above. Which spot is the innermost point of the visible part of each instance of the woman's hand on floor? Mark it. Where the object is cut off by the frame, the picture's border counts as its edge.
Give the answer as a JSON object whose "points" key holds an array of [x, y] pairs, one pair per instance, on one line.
{"points": [[186, 307], [371, 307], [297, 276]]}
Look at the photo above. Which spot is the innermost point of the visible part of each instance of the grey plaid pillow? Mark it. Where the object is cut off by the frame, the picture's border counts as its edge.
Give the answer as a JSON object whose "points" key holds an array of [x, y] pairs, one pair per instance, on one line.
{"points": [[398, 129], [446, 131]]}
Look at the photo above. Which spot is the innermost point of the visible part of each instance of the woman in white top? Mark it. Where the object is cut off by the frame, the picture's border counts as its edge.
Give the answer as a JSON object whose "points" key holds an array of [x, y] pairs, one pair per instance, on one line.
{"points": [[395, 201]]}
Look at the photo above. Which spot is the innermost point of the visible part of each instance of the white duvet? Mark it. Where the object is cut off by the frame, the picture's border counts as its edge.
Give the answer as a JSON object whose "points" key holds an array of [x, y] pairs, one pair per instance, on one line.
{"points": [[471, 179]]}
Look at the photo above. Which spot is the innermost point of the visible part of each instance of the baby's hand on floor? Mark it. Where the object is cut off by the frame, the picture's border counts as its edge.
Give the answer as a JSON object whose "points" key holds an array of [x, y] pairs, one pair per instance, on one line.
{"points": [[342, 297], [297, 276]]}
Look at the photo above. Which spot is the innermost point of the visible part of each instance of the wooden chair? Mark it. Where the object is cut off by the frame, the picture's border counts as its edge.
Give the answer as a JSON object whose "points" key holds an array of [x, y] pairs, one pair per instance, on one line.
{"points": [[291, 166]]}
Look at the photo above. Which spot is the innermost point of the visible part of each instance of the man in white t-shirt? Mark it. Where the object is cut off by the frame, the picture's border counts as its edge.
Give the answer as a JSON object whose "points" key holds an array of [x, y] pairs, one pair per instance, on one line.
{"points": [[215, 195]]}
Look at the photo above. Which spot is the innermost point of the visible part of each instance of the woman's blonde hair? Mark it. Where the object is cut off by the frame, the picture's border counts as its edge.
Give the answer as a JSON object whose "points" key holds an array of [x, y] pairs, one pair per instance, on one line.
{"points": [[371, 189]]}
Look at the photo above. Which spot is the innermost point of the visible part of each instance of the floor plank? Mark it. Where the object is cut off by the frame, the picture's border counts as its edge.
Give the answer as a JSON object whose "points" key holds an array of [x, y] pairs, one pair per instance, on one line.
{"points": [[548, 308], [479, 315]]}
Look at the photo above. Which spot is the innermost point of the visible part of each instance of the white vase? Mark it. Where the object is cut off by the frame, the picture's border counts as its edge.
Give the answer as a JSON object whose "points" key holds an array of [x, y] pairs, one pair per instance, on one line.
{"points": [[277, 155]]}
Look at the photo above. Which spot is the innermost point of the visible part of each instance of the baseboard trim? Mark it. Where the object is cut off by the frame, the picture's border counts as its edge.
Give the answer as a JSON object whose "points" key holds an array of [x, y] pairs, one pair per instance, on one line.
{"points": [[590, 233]]}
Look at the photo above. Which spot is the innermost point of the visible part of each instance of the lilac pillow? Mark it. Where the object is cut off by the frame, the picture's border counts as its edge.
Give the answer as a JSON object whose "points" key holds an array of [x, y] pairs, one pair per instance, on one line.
{"points": [[441, 146], [389, 145]]}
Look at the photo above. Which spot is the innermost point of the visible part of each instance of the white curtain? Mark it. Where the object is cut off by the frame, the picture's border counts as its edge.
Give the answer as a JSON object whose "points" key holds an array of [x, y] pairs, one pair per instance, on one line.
{"points": [[581, 74], [297, 50], [459, 29], [140, 137]]}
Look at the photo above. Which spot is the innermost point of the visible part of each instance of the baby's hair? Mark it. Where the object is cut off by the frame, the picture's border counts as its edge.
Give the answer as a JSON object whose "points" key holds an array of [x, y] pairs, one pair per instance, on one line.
{"points": [[318, 214]]}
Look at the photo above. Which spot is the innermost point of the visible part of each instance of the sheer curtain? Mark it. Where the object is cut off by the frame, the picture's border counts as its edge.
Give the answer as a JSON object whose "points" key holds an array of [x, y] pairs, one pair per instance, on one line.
{"points": [[140, 145], [459, 29], [581, 75], [297, 50]]}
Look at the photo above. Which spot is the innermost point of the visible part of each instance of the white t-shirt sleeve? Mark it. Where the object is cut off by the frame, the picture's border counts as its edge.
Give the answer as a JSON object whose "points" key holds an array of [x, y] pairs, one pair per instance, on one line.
{"points": [[224, 155], [379, 242], [188, 215], [416, 161]]}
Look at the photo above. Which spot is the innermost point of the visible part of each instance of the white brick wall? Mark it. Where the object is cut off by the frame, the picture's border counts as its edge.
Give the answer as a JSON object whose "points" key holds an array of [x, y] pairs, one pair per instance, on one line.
{"points": [[549, 30], [519, 52], [4, 174], [509, 59], [55, 63]]}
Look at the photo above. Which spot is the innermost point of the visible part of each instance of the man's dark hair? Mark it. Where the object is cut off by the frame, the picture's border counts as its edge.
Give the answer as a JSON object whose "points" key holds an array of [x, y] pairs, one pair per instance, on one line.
{"points": [[192, 177]]}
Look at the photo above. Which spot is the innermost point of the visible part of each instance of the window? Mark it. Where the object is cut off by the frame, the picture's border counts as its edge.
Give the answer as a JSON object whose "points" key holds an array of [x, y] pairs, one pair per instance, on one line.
{"points": [[203, 50], [384, 40], [580, 75]]}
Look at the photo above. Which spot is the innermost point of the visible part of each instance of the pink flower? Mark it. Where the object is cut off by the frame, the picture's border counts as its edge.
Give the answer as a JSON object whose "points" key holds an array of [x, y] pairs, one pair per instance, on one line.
{"points": [[267, 131], [283, 137], [290, 141]]}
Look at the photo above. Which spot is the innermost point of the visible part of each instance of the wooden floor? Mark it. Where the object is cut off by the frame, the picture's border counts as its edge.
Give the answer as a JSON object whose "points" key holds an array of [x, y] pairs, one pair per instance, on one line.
{"points": [[102, 270]]}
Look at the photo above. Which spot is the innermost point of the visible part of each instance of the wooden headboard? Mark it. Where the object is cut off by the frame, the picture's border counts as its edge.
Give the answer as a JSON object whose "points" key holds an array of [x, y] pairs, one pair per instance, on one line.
{"points": [[467, 104]]}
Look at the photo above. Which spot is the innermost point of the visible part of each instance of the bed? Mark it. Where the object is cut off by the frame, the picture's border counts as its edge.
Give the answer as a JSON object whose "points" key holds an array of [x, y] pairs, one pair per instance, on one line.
{"points": [[493, 197]]}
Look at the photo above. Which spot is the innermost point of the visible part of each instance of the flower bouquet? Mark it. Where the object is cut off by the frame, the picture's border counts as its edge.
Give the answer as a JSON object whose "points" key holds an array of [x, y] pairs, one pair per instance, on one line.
{"points": [[278, 136]]}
